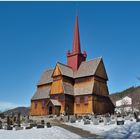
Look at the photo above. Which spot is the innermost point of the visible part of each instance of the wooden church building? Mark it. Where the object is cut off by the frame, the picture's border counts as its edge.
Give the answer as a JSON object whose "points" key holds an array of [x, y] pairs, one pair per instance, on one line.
{"points": [[79, 87]]}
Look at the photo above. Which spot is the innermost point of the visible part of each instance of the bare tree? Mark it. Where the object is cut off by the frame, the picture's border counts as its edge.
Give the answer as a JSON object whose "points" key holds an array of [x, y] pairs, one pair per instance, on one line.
{"points": [[124, 103]]}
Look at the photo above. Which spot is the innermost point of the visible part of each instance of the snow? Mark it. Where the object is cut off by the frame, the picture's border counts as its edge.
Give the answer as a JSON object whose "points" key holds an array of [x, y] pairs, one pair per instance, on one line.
{"points": [[131, 129], [128, 130], [42, 133], [96, 129]]}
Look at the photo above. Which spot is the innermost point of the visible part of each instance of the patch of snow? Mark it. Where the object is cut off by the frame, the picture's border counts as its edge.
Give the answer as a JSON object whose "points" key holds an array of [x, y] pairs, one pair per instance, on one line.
{"points": [[42, 133], [95, 129], [128, 130]]}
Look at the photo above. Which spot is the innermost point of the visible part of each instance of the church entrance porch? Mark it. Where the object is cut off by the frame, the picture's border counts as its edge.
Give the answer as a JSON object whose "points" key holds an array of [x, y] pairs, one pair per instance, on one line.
{"points": [[53, 107]]}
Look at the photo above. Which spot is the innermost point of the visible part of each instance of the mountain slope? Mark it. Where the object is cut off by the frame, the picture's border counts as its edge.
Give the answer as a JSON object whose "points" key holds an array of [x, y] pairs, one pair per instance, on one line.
{"points": [[132, 92], [24, 111]]}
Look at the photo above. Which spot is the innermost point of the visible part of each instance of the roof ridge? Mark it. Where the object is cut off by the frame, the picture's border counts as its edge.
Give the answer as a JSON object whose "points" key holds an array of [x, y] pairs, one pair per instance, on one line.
{"points": [[64, 64], [48, 70], [53, 99], [92, 59]]}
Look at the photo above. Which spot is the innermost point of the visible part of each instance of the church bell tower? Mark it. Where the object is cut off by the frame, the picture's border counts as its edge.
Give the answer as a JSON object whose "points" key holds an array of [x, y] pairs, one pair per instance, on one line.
{"points": [[75, 57]]}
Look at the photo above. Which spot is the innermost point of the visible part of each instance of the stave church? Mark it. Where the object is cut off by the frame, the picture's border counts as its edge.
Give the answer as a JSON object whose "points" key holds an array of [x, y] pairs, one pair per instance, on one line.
{"points": [[78, 87]]}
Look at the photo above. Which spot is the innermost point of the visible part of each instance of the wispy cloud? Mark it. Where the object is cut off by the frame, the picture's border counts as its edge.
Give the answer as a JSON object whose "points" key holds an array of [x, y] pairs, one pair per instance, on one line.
{"points": [[8, 105]]}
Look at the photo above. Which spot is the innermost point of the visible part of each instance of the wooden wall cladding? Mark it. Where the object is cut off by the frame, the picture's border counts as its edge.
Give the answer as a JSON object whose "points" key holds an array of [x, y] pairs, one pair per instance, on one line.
{"points": [[83, 107], [39, 109], [57, 87], [101, 72], [100, 88], [83, 86], [61, 99], [57, 71], [92, 89], [102, 105], [69, 102]]}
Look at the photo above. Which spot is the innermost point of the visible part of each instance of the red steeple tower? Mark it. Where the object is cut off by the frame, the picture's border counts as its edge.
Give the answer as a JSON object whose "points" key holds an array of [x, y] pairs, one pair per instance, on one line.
{"points": [[76, 41], [75, 57]]}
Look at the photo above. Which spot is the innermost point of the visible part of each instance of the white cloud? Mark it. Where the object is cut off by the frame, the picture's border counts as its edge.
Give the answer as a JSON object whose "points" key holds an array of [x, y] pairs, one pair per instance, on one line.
{"points": [[8, 105]]}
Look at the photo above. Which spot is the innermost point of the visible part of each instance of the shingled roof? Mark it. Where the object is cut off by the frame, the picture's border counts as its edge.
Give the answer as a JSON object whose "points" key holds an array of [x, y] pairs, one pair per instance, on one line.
{"points": [[65, 70], [42, 94], [55, 102], [46, 77], [87, 68], [88, 89], [68, 88]]}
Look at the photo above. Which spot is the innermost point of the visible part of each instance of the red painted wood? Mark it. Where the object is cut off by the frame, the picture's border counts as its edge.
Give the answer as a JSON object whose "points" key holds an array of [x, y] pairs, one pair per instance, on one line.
{"points": [[75, 58]]}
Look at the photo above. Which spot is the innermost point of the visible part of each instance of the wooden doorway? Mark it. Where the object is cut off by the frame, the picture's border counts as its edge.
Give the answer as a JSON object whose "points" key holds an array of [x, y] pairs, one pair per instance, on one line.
{"points": [[50, 110]]}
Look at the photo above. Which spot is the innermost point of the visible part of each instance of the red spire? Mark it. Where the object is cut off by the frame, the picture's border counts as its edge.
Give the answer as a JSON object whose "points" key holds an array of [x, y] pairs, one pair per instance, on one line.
{"points": [[76, 41], [75, 58]]}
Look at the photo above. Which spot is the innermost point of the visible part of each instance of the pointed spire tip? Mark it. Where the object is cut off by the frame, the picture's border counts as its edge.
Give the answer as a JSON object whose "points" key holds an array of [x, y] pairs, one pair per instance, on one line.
{"points": [[76, 41]]}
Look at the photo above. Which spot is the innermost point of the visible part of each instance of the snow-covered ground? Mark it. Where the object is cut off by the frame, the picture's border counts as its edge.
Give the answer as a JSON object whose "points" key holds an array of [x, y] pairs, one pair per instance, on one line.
{"points": [[128, 130], [96, 129], [42, 133]]}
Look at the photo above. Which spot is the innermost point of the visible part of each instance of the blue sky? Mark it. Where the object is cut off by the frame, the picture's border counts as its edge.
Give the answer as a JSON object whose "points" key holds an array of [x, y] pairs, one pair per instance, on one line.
{"points": [[35, 35]]}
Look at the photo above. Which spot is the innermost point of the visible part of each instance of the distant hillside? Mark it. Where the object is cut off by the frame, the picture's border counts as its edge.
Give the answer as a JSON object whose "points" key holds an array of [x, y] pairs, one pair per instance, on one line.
{"points": [[24, 111], [132, 92]]}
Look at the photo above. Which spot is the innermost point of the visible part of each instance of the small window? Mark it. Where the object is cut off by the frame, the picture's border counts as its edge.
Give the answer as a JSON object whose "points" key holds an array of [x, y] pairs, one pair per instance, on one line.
{"points": [[35, 104], [61, 97], [43, 103], [77, 100], [82, 99], [86, 99]]}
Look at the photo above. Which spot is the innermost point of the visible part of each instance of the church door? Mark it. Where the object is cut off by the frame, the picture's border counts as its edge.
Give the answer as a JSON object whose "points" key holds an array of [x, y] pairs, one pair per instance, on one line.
{"points": [[50, 110]]}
